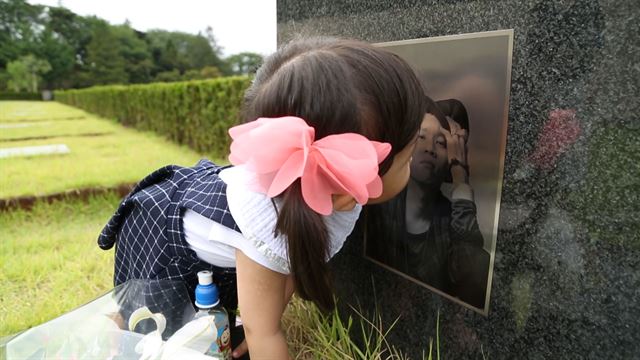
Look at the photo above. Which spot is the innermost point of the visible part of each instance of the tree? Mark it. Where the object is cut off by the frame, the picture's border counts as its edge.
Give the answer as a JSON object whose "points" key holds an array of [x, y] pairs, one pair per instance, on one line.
{"points": [[72, 33], [192, 75], [105, 62], [85, 51], [210, 72], [20, 25], [212, 41], [222, 65], [168, 76], [138, 62], [60, 56], [25, 73], [170, 59], [199, 53], [244, 63], [182, 51], [31, 29], [4, 80]]}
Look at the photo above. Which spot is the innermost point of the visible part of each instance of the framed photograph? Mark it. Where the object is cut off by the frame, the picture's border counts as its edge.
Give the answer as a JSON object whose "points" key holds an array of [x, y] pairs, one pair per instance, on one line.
{"points": [[441, 230]]}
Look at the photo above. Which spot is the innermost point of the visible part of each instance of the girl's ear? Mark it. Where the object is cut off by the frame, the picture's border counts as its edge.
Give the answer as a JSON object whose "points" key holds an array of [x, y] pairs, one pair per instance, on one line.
{"points": [[343, 202]]}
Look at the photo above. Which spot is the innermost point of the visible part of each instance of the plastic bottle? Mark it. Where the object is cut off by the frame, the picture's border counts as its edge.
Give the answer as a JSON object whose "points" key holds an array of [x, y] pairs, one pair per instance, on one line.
{"points": [[208, 303]]}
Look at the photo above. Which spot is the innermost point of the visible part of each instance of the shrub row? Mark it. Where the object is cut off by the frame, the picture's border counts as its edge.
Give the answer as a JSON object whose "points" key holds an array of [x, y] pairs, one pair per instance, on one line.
{"points": [[19, 96], [194, 113]]}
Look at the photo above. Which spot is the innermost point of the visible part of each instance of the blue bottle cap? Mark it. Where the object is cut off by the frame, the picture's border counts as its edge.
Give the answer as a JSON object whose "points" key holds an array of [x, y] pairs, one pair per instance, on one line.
{"points": [[206, 291]]}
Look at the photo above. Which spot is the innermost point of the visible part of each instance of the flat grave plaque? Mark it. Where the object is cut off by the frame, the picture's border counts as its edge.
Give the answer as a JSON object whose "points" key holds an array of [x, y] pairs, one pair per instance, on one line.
{"points": [[34, 150]]}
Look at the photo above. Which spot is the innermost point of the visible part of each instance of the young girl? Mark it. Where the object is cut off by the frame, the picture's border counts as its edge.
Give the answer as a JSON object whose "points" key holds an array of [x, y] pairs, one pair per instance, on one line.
{"points": [[330, 125]]}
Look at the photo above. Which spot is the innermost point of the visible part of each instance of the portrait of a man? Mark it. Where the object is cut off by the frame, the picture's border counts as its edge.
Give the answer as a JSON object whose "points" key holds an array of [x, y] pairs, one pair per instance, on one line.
{"points": [[440, 230]]}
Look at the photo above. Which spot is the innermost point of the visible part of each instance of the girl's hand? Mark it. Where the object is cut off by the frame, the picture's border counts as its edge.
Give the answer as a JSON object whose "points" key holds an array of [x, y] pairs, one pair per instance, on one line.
{"points": [[457, 150], [240, 350]]}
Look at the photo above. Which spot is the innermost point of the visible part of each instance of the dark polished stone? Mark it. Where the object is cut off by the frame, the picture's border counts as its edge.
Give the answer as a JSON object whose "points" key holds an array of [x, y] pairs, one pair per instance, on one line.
{"points": [[566, 281]]}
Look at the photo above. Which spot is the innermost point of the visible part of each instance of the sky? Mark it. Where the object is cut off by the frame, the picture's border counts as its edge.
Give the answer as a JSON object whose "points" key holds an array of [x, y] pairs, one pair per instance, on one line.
{"points": [[238, 25]]}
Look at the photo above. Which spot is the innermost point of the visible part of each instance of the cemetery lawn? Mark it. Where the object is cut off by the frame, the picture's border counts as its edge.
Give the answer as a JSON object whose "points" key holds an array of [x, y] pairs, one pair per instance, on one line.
{"points": [[313, 335], [32, 111], [117, 156], [94, 161], [50, 262], [10, 132]]}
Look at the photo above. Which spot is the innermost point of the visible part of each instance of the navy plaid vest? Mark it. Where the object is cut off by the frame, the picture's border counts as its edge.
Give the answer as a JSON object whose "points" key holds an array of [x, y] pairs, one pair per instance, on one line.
{"points": [[147, 228]]}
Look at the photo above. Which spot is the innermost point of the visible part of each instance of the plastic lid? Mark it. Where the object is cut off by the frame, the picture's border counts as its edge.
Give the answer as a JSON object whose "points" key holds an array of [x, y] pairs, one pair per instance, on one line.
{"points": [[205, 277], [206, 291]]}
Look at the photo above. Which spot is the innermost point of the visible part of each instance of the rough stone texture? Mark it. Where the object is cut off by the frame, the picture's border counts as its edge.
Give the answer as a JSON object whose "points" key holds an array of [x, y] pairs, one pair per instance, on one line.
{"points": [[566, 279]]}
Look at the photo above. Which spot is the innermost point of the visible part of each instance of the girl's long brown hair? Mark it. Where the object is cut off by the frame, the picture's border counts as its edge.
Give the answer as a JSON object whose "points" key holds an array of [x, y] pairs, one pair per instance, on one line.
{"points": [[337, 86]]}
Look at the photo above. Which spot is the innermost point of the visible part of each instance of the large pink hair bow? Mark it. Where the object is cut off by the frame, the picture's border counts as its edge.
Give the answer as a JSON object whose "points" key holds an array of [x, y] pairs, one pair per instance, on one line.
{"points": [[281, 150]]}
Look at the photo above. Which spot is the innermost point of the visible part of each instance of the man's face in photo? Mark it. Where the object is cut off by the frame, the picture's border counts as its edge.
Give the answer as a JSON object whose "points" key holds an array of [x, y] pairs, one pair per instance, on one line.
{"points": [[429, 161]]}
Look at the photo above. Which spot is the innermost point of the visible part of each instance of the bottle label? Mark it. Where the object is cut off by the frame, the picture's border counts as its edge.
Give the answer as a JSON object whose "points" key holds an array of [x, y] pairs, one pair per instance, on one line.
{"points": [[221, 348]]}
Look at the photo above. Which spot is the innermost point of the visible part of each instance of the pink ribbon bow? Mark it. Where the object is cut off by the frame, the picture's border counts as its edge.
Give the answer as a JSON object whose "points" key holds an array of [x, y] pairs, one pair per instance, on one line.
{"points": [[281, 150]]}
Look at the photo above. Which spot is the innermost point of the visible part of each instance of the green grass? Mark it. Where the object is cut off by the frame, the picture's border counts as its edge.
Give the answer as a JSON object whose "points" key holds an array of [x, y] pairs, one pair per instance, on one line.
{"points": [[51, 264], [55, 128], [313, 335], [19, 111], [50, 260], [124, 157]]}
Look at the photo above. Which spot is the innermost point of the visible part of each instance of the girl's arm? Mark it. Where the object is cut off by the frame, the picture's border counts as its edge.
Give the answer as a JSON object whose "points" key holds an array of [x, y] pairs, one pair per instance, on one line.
{"points": [[260, 296], [288, 289]]}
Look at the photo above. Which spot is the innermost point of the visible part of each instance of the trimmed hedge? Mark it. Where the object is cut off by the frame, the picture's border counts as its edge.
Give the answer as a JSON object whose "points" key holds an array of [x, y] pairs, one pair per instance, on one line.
{"points": [[194, 113], [19, 96]]}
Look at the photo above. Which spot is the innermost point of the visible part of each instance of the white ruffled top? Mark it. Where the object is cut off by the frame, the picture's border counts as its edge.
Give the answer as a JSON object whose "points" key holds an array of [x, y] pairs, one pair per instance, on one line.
{"points": [[255, 215]]}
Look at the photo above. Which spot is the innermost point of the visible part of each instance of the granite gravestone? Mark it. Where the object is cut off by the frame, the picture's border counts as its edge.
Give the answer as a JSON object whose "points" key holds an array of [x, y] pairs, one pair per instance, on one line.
{"points": [[565, 279]]}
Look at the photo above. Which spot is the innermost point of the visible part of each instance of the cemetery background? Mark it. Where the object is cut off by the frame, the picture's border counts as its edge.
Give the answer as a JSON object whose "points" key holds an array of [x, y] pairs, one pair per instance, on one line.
{"points": [[50, 260], [566, 271], [52, 206], [48, 254]]}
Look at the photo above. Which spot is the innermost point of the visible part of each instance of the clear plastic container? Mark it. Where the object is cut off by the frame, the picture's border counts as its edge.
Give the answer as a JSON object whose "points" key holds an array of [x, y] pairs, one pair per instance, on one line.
{"points": [[98, 330]]}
